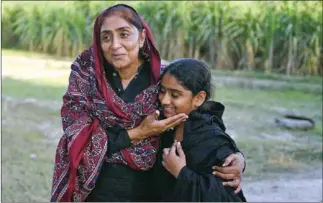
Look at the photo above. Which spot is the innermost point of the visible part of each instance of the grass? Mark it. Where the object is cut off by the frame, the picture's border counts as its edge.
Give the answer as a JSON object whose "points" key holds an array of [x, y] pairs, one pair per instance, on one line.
{"points": [[272, 76], [29, 89], [25, 179], [21, 53], [249, 117]]}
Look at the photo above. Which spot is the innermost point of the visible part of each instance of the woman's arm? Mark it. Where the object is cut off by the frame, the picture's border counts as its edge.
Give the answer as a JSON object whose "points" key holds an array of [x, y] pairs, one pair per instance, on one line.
{"points": [[152, 126], [231, 170], [120, 138]]}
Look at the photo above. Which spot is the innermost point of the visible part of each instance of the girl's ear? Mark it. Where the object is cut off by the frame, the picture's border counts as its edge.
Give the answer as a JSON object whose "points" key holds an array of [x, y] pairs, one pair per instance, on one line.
{"points": [[199, 99]]}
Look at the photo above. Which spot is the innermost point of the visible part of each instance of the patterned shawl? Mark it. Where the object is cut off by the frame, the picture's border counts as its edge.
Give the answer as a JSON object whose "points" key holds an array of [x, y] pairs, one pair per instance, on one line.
{"points": [[89, 106]]}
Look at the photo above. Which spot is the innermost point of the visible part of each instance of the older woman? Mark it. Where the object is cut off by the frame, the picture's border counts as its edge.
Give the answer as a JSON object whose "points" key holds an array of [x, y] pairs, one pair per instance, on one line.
{"points": [[110, 115]]}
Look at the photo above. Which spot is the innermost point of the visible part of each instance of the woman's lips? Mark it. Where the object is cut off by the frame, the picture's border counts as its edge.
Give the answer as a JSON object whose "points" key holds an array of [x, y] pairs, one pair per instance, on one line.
{"points": [[117, 56]]}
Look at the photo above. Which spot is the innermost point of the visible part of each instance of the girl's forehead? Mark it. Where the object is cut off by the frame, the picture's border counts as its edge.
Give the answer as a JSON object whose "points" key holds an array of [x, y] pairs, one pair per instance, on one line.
{"points": [[171, 82]]}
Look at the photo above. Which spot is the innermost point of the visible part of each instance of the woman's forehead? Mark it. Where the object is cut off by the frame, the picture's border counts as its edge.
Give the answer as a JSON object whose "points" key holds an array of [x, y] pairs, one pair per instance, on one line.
{"points": [[114, 23]]}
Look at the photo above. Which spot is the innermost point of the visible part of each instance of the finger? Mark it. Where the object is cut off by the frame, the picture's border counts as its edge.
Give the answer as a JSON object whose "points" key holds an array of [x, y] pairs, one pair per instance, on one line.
{"points": [[166, 151], [229, 160], [177, 122], [180, 149], [224, 175], [228, 169], [154, 115], [235, 183], [163, 163], [173, 149], [238, 189], [173, 119]]}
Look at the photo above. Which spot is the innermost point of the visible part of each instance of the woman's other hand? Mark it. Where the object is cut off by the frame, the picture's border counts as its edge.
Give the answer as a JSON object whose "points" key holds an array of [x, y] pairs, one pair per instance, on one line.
{"points": [[152, 126], [231, 170]]}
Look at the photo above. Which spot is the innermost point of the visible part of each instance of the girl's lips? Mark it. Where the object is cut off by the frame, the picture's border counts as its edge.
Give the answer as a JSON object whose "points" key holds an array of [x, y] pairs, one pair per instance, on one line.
{"points": [[168, 110]]}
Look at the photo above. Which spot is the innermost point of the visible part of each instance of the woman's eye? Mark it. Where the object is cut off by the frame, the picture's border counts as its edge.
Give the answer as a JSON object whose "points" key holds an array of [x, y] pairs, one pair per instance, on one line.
{"points": [[124, 34], [105, 37]]}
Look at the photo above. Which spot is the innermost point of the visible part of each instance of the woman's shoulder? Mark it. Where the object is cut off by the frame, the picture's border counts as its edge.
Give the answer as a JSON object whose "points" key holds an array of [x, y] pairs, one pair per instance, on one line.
{"points": [[84, 62], [85, 57]]}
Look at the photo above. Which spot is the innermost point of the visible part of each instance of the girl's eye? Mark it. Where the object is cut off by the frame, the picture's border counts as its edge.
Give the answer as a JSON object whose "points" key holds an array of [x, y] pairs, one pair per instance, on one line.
{"points": [[175, 96], [162, 90]]}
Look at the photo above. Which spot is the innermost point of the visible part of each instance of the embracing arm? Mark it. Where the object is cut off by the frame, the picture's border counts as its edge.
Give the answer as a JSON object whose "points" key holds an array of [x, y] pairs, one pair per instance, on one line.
{"points": [[232, 168]]}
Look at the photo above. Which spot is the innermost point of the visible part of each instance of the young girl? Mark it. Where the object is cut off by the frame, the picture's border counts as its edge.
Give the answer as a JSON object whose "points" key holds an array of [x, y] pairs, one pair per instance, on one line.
{"points": [[190, 150]]}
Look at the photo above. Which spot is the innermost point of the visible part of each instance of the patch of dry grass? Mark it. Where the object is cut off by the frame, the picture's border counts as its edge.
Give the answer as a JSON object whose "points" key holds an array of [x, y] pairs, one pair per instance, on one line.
{"points": [[30, 130]]}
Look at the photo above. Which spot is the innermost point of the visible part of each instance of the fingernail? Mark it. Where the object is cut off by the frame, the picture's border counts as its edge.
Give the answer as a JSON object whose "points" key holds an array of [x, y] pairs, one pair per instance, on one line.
{"points": [[178, 144], [213, 172], [213, 167]]}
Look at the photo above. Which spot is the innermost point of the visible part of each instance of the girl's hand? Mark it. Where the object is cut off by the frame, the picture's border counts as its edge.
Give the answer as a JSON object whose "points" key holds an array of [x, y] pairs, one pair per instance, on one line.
{"points": [[171, 161]]}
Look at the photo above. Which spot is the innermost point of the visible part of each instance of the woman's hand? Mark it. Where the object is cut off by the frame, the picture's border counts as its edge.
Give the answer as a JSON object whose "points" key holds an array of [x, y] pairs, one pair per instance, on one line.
{"points": [[171, 161], [151, 126], [231, 170]]}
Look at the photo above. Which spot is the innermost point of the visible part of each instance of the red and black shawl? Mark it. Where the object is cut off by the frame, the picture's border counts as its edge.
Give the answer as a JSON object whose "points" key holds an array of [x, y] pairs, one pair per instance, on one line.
{"points": [[89, 106]]}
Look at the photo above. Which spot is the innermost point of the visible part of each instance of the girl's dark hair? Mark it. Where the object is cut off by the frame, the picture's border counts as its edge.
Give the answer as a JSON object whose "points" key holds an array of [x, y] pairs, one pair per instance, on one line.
{"points": [[193, 75]]}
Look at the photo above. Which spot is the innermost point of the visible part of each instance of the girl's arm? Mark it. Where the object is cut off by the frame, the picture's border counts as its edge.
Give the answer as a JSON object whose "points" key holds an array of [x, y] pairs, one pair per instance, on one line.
{"points": [[196, 186]]}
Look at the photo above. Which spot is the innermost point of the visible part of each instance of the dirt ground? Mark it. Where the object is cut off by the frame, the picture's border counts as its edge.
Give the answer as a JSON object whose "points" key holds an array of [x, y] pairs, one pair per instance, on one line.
{"points": [[302, 185], [282, 165], [293, 187]]}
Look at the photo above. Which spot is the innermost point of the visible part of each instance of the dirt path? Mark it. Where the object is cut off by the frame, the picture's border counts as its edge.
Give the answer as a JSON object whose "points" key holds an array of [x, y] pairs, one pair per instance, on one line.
{"points": [[284, 187], [293, 187], [284, 190]]}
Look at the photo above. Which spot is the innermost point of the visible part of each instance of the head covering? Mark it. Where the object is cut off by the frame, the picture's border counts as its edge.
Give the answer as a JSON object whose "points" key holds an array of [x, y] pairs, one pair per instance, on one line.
{"points": [[149, 45], [89, 106]]}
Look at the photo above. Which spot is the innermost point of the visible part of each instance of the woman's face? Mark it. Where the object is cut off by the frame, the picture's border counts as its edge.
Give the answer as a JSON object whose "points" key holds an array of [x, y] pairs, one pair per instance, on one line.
{"points": [[175, 99], [120, 42]]}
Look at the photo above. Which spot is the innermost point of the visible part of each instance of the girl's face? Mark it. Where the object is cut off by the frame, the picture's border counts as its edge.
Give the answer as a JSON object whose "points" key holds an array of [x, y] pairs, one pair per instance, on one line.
{"points": [[175, 99]]}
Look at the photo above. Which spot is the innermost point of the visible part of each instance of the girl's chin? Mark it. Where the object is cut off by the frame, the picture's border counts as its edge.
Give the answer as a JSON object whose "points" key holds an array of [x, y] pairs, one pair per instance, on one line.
{"points": [[167, 115]]}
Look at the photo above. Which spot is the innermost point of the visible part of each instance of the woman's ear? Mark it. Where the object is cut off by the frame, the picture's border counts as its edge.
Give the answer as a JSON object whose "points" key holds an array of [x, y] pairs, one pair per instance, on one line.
{"points": [[142, 38], [199, 99]]}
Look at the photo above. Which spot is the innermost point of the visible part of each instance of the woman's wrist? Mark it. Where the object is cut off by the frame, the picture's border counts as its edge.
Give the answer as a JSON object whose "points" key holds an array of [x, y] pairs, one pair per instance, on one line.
{"points": [[135, 134]]}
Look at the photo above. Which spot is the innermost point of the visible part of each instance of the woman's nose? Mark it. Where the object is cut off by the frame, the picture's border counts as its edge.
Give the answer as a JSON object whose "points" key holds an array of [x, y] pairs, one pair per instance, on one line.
{"points": [[116, 43]]}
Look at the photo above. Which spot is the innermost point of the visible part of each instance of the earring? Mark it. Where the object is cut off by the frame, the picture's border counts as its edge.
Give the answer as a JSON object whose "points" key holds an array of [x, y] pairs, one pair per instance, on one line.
{"points": [[143, 54]]}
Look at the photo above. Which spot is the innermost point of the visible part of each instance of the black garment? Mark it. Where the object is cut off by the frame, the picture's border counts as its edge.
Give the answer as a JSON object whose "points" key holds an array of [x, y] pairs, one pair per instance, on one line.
{"points": [[205, 144], [140, 82], [117, 182]]}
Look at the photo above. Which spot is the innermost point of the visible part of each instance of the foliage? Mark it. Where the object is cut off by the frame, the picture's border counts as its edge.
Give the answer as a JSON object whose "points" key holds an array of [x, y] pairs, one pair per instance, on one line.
{"points": [[281, 36]]}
